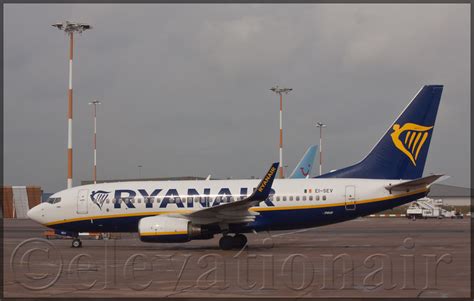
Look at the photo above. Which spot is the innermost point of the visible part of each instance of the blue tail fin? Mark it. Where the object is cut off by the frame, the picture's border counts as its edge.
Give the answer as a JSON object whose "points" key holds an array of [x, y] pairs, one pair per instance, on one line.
{"points": [[304, 167], [401, 153]]}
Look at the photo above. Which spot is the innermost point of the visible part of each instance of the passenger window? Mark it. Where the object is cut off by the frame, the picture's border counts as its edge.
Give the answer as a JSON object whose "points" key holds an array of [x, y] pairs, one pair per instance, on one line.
{"points": [[139, 201], [324, 197], [297, 198], [317, 198], [284, 199], [304, 198], [291, 198], [278, 198], [310, 197], [158, 200]]}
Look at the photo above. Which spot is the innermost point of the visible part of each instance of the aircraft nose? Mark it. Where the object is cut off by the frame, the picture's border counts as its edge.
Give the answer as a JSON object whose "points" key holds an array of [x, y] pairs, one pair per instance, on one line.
{"points": [[36, 213]]}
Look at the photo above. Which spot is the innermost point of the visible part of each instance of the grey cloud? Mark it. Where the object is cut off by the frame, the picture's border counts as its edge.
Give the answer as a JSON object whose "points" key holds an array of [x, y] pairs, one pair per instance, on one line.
{"points": [[185, 88]]}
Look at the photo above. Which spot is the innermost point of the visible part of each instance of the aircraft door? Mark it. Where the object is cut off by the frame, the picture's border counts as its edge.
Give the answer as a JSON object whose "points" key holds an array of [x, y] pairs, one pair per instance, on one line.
{"points": [[350, 197], [82, 201]]}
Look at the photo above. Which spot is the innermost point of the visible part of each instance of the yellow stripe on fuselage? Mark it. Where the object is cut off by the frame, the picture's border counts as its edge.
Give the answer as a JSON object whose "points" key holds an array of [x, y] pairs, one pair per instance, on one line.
{"points": [[337, 204], [257, 209]]}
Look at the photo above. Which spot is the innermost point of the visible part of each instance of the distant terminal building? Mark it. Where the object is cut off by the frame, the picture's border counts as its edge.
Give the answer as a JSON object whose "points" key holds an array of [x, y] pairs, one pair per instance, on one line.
{"points": [[87, 182], [451, 195], [17, 200]]}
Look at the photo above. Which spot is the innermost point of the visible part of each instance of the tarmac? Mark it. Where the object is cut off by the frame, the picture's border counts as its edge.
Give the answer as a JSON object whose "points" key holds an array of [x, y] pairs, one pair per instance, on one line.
{"points": [[363, 258]]}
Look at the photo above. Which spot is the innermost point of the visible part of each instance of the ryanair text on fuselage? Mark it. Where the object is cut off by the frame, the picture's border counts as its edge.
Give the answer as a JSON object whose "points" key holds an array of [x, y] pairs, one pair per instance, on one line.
{"points": [[172, 197]]}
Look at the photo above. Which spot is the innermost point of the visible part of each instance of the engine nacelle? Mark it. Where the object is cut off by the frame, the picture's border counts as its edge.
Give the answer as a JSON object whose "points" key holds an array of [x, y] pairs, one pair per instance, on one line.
{"points": [[169, 229]]}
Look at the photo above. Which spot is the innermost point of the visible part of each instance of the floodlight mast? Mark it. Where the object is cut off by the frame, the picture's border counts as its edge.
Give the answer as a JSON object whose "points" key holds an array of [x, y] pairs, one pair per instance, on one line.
{"points": [[280, 91], [139, 171], [320, 125], [70, 28], [94, 171]]}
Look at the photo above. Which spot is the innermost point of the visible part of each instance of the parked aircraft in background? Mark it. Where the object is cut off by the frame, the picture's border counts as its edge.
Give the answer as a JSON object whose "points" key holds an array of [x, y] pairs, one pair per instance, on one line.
{"points": [[304, 167]]}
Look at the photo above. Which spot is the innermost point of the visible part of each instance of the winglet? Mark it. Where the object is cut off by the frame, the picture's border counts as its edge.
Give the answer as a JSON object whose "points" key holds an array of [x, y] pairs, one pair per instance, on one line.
{"points": [[264, 187]]}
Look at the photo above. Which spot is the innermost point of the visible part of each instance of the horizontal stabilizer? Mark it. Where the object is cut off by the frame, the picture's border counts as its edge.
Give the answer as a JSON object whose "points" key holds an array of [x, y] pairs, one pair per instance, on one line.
{"points": [[414, 184]]}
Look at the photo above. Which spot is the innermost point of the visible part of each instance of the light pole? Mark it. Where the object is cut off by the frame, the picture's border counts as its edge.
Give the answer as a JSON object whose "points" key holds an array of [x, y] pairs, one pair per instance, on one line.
{"points": [[280, 91], [94, 172], [320, 125], [69, 28], [139, 171]]}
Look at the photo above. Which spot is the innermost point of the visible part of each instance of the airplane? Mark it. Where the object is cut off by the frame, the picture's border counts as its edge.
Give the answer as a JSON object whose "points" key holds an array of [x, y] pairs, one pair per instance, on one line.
{"points": [[304, 167], [181, 211]]}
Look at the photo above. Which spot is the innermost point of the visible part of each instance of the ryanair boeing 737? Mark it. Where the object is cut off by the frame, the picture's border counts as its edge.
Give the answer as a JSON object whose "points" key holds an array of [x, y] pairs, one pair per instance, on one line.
{"points": [[181, 211]]}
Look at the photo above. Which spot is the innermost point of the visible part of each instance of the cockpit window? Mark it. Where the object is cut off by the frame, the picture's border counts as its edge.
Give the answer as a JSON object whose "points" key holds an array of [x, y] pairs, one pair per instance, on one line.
{"points": [[53, 200]]}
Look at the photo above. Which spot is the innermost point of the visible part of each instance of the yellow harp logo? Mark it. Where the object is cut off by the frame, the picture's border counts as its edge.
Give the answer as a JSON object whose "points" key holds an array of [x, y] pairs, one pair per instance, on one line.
{"points": [[415, 137]]}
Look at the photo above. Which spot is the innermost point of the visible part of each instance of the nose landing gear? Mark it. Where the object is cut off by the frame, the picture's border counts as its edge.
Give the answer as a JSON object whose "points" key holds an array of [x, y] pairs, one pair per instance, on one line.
{"points": [[76, 243], [228, 242]]}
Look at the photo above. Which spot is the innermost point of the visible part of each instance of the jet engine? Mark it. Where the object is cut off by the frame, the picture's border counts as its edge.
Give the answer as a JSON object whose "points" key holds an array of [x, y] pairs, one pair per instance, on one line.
{"points": [[170, 229]]}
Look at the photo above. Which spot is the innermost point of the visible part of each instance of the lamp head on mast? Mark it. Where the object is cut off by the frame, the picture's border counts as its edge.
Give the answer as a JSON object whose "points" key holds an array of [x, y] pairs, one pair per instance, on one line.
{"points": [[95, 102], [280, 91], [70, 27]]}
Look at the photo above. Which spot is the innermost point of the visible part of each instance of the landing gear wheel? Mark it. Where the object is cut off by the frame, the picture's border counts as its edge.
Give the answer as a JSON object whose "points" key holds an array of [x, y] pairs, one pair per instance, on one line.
{"points": [[239, 241], [226, 242], [76, 243]]}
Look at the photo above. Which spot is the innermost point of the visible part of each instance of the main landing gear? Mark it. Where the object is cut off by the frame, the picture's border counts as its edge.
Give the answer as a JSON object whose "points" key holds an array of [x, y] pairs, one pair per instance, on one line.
{"points": [[76, 243], [227, 242]]}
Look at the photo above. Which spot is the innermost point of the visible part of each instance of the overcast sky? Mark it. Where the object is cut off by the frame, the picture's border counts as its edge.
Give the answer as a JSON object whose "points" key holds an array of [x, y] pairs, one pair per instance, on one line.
{"points": [[185, 88]]}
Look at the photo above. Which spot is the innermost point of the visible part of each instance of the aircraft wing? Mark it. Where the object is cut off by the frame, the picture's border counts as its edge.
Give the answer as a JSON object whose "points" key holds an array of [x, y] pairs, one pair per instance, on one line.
{"points": [[237, 212], [415, 184]]}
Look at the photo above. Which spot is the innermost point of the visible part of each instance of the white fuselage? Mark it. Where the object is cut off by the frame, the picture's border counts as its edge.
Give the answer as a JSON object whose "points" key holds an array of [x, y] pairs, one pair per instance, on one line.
{"points": [[294, 203]]}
